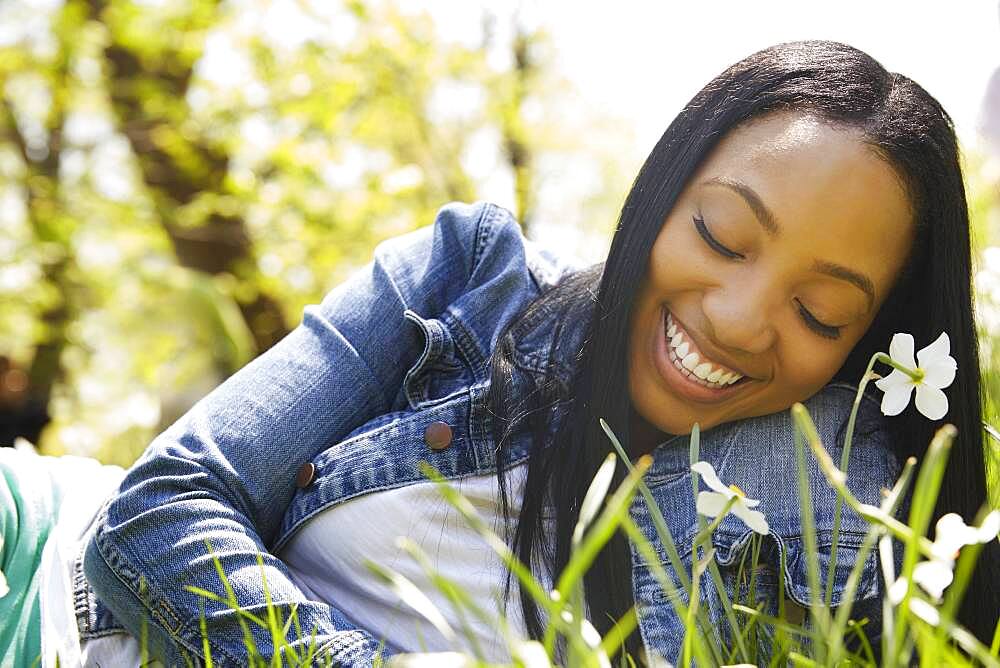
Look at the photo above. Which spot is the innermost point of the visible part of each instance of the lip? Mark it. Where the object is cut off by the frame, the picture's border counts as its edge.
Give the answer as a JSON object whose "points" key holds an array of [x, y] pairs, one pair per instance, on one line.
{"points": [[677, 381]]}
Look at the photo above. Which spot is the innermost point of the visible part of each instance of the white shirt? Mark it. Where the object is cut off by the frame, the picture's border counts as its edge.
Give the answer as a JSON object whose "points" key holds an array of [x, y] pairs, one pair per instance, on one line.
{"points": [[327, 559], [85, 484]]}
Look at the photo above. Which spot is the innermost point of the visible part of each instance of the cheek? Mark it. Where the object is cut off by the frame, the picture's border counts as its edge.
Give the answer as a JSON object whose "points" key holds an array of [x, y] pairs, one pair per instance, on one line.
{"points": [[809, 367], [675, 262]]}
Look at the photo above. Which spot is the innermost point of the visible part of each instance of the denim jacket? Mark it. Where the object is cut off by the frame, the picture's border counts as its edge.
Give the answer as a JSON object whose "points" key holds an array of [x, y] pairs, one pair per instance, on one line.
{"points": [[349, 403]]}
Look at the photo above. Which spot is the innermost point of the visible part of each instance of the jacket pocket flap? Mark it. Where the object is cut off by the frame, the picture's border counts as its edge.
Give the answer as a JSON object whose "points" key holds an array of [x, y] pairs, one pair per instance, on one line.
{"points": [[848, 550], [730, 550], [425, 381]]}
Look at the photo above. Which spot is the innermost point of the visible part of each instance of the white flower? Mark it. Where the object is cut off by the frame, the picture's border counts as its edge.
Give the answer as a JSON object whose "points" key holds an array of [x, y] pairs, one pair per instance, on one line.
{"points": [[950, 535], [711, 504], [935, 368]]}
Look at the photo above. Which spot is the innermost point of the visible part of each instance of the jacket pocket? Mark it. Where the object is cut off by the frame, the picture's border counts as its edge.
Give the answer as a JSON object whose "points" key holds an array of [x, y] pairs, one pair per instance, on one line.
{"points": [[438, 373], [784, 560], [848, 551], [755, 582]]}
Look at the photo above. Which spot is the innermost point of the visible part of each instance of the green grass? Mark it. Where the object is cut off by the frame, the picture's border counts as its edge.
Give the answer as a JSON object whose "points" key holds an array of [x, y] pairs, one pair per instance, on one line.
{"points": [[747, 633], [750, 636]]}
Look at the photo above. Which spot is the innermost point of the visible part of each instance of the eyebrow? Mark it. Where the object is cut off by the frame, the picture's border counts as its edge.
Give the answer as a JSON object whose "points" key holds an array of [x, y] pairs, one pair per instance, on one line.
{"points": [[849, 275], [770, 224], [753, 200]]}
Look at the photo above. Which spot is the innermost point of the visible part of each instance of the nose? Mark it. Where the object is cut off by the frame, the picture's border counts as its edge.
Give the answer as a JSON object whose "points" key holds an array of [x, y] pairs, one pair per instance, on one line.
{"points": [[740, 318]]}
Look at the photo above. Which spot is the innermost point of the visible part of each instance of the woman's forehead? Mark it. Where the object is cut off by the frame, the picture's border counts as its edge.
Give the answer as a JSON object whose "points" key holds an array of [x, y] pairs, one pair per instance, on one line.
{"points": [[811, 183]]}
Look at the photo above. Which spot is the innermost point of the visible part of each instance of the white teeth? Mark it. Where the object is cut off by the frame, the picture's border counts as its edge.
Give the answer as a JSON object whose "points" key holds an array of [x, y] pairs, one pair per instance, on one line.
{"points": [[729, 379], [690, 361]]}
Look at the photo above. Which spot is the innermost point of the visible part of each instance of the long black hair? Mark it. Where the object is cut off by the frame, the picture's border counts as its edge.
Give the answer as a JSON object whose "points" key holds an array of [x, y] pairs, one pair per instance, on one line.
{"points": [[914, 134]]}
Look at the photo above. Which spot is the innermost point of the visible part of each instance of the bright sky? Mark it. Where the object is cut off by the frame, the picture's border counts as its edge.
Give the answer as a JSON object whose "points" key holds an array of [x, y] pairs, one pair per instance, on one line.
{"points": [[642, 60]]}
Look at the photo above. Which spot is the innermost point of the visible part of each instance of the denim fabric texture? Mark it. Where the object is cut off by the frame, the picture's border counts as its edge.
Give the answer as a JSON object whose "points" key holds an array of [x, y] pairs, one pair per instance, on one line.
{"points": [[402, 344]]}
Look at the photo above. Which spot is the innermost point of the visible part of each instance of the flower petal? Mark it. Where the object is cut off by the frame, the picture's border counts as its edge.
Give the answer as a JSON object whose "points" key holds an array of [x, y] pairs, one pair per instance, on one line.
{"points": [[939, 349], [939, 372], [897, 591], [931, 402], [925, 611], [895, 378], [711, 504], [933, 576], [896, 398], [990, 527], [752, 518], [707, 473], [951, 533], [901, 349]]}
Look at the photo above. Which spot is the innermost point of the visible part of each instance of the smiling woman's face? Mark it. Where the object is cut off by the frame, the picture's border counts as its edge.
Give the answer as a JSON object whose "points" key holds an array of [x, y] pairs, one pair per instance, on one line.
{"points": [[769, 268]]}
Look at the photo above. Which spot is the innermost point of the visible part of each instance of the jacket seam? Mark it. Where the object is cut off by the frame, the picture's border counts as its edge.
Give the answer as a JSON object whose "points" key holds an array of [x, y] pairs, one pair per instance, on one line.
{"points": [[155, 613], [484, 234]]}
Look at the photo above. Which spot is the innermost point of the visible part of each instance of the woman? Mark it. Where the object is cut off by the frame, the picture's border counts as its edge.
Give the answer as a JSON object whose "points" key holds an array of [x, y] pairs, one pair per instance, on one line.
{"points": [[802, 207]]}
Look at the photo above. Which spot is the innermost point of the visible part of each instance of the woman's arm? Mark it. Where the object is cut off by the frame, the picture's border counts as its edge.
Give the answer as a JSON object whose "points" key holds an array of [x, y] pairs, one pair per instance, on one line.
{"points": [[224, 473]]}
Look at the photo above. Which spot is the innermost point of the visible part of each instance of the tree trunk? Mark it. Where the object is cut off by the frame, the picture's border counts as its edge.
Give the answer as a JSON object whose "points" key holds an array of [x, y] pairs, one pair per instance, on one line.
{"points": [[25, 399], [178, 167]]}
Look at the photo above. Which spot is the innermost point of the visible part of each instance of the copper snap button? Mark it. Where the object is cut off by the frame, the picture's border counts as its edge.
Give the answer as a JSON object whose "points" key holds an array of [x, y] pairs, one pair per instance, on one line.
{"points": [[305, 475], [438, 435]]}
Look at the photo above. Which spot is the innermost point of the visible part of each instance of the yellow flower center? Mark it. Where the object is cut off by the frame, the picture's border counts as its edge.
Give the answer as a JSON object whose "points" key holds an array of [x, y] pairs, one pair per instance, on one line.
{"points": [[739, 492]]}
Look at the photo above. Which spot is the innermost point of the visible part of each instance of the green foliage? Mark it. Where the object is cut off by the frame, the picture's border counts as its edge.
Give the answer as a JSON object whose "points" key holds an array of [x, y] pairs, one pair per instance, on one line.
{"points": [[983, 184], [179, 179]]}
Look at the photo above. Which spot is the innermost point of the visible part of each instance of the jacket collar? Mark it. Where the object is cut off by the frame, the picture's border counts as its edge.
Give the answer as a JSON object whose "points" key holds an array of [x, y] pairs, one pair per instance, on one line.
{"points": [[549, 342], [549, 339]]}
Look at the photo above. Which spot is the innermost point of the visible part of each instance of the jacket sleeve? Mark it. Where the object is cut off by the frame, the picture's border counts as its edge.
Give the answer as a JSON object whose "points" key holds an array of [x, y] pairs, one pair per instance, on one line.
{"points": [[224, 473]]}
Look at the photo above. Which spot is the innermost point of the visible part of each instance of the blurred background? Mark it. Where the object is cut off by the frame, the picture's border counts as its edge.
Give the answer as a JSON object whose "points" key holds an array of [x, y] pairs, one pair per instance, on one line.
{"points": [[179, 178]]}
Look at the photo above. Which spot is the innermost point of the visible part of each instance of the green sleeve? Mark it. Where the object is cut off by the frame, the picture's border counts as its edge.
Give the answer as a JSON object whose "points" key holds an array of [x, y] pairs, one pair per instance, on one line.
{"points": [[29, 504]]}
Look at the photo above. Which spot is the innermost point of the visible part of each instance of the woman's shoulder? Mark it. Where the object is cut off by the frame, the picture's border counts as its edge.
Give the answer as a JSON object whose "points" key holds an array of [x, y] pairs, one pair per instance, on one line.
{"points": [[473, 270], [470, 243], [761, 456]]}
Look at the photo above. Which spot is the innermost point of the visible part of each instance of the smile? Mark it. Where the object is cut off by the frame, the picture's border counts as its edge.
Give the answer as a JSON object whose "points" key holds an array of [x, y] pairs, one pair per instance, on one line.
{"points": [[692, 362], [687, 371]]}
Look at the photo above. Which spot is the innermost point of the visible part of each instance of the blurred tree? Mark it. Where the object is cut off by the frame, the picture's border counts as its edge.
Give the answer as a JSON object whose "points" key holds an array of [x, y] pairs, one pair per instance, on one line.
{"points": [[150, 59], [38, 143], [511, 94], [179, 179]]}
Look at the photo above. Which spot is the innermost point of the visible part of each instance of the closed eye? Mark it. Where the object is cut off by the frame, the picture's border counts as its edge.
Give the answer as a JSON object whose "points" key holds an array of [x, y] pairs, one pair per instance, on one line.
{"points": [[821, 328], [828, 331], [713, 243]]}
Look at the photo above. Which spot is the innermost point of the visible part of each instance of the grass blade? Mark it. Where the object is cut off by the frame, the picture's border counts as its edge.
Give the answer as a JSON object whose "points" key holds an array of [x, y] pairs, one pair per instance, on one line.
{"points": [[592, 501], [411, 595], [818, 613]]}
